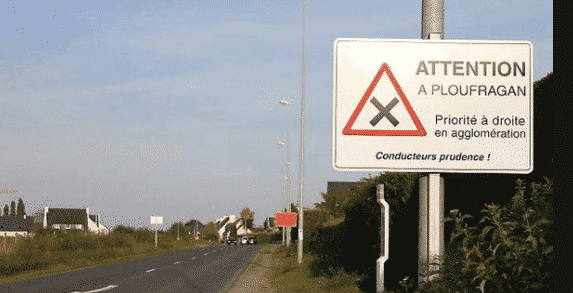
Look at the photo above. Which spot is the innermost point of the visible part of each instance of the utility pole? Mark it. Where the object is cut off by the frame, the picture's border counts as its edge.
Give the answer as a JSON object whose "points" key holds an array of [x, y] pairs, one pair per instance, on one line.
{"points": [[301, 167]]}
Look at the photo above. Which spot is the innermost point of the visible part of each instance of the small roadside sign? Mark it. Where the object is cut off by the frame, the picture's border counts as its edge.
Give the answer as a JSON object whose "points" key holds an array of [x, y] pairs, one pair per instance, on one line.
{"points": [[433, 106], [156, 220], [283, 219]]}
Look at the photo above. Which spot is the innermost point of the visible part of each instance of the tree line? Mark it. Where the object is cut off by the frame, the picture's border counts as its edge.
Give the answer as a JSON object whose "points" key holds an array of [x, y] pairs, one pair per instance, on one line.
{"points": [[13, 210]]}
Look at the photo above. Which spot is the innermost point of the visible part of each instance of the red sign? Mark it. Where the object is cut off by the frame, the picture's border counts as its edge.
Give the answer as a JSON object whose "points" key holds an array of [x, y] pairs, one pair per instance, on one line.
{"points": [[384, 111], [196, 238], [285, 219]]}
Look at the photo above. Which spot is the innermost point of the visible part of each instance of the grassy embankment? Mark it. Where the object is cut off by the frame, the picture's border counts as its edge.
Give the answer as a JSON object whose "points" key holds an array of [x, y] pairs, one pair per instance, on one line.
{"points": [[288, 276], [48, 253]]}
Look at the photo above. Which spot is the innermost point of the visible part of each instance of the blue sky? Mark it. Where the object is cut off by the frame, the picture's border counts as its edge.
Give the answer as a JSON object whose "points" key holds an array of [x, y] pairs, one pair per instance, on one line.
{"points": [[170, 108]]}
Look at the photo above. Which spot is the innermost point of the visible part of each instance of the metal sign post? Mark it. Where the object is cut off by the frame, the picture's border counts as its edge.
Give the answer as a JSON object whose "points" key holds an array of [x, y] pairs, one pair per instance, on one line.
{"points": [[156, 221], [385, 235], [431, 211]]}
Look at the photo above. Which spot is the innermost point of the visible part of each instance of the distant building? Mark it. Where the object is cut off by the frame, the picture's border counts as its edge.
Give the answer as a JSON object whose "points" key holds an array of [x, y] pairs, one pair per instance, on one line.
{"points": [[258, 229], [224, 228], [12, 226], [340, 186], [73, 219], [269, 224]]}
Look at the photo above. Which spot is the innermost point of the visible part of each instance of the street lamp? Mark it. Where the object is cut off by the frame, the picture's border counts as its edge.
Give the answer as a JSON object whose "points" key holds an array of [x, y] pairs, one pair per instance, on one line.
{"points": [[289, 164], [285, 177]]}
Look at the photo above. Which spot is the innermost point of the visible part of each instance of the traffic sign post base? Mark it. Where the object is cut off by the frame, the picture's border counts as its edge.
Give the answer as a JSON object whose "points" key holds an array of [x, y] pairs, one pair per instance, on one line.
{"points": [[431, 228]]}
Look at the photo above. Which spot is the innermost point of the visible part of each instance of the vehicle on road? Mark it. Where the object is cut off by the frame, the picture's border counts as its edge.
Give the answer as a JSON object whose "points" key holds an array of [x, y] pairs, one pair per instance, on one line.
{"points": [[232, 240], [248, 240]]}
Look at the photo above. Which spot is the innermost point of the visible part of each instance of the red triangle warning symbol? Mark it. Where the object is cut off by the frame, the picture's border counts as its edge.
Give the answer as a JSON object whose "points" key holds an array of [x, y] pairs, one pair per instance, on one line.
{"points": [[384, 111]]}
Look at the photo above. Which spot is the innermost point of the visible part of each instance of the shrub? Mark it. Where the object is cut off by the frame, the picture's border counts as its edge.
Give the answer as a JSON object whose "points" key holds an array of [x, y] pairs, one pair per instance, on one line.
{"points": [[118, 240], [263, 238], [144, 236], [512, 253]]}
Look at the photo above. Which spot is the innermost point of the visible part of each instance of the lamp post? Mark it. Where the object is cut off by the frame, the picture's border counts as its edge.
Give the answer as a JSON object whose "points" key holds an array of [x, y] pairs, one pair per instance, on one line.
{"points": [[289, 164], [281, 143]]}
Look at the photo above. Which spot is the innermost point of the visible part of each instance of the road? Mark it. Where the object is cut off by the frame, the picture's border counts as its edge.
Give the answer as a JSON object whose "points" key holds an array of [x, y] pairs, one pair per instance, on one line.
{"points": [[204, 269]]}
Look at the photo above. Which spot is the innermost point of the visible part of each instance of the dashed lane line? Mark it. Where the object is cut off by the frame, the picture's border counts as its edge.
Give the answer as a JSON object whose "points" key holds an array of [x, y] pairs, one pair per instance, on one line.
{"points": [[98, 290]]}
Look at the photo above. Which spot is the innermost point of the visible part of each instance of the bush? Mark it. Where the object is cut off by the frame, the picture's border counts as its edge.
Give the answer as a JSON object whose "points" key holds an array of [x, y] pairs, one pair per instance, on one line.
{"points": [[123, 229], [329, 248], [118, 240], [144, 236], [513, 252], [263, 238]]}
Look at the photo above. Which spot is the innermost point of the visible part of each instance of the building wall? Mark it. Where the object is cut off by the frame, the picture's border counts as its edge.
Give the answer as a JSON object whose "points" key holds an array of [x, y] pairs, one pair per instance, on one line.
{"points": [[13, 233]]}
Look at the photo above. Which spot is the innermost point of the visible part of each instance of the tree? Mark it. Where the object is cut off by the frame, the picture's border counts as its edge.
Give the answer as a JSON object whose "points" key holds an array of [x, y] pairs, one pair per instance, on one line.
{"points": [[6, 210], [13, 209], [20, 209], [176, 228], [30, 221], [193, 226], [333, 202], [210, 232], [123, 229], [233, 229], [248, 217]]}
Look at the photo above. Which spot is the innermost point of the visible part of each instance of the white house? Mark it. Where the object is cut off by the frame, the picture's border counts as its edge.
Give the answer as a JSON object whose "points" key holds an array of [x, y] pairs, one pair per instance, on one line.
{"points": [[73, 218], [223, 226], [10, 227]]}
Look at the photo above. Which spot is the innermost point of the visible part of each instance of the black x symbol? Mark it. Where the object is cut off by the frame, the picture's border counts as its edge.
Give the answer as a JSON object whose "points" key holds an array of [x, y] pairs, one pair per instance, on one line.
{"points": [[384, 112]]}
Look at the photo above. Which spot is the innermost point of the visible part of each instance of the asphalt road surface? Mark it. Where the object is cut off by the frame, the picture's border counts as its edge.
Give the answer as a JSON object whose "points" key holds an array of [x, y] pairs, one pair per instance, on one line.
{"points": [[204, 269]]}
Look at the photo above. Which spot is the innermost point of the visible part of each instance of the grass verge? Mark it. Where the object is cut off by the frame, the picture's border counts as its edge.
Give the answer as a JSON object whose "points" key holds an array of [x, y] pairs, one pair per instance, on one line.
{"points": [[50, 254]]}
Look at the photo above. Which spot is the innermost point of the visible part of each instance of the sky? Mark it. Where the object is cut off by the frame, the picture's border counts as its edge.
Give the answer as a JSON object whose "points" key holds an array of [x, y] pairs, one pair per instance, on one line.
{"points": [[171, 108]]}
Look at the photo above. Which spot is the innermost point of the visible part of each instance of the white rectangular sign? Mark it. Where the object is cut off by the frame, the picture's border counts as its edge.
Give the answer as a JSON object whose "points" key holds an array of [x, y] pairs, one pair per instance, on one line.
{"points": [[433, 106], [156, 220]]}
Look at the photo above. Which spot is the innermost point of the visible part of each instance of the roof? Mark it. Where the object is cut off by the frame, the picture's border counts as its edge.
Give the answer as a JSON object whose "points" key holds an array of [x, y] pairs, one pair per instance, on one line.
{"points": [[13, 224], [66, 216], [339, 186]]}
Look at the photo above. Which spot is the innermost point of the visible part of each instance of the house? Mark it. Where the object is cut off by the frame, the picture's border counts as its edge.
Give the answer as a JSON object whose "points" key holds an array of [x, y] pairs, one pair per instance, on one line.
{"points": [[74, 219], [258, 229], [224, 228], [11, 226], [269, 224]]}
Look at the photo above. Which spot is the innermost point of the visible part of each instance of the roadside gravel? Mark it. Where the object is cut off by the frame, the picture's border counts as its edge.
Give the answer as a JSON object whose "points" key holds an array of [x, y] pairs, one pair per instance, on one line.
{"points": [[254, 278]]}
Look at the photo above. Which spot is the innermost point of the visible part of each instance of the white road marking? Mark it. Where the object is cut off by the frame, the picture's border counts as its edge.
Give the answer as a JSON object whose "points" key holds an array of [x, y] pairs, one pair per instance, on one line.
{"points": [[98, 290], [150, 270]]}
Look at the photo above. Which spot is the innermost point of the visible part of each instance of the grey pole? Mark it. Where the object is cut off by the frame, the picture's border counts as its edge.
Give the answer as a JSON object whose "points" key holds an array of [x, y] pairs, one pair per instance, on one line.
{"points": [[288, 172], [284, 191], [155, 235], [432, 18], [384, 236], [301, 167], [431, 211]]}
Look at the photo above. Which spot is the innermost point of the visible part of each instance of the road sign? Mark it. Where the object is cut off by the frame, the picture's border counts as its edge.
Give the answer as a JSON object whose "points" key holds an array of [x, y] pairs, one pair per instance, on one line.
{"points": [[156, 220], [285, 219], [196, 238], [433, 106]]}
